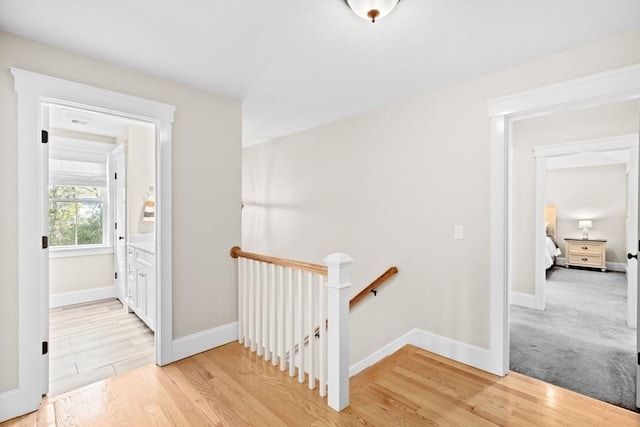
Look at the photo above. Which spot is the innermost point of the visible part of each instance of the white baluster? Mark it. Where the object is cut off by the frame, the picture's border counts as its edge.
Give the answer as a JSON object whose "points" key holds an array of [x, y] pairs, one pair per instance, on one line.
{"points": [[282, 325], [291, 324], [266, 307], [300, 323], [322, 341], [247, 276], [338, 333], [252, 306], [258, 331], [272, 318], [310, 330], [241, 297]]}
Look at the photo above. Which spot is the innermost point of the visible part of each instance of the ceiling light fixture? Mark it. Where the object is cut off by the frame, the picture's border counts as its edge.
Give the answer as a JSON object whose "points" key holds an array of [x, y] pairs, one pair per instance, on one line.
{"points": [[372, 9]]}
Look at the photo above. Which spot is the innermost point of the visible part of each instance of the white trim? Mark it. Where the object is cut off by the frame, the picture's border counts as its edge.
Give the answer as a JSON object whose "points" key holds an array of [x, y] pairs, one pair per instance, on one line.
{"points": [[611, 86], [540, 240], [499, 248], [542, 155], [620, 267], [204, 340], [601, 88], [459, 351], [524, 300], [81, 95], [69, 252], [164, 245], [79, 297], [34, 90], [632, 239], [618, 142], [381, 353]]}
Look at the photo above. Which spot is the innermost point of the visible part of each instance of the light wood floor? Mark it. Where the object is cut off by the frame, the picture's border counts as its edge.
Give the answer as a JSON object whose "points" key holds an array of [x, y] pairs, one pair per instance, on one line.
{"points": [[229, 386], [93, 341]]}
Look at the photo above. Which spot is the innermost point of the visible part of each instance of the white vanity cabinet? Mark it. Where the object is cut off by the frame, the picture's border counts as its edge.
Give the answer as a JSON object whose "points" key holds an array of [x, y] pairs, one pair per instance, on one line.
{"points": [[141, 282]]}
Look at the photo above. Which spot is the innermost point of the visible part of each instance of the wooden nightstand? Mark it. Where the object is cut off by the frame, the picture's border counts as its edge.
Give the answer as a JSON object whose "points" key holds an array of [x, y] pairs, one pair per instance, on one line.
{"points": [[586, 253]]}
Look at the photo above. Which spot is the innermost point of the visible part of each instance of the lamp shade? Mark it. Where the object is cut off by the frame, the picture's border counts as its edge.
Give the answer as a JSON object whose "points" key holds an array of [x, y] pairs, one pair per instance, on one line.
{"points": [[585, 223], [372, 9]]}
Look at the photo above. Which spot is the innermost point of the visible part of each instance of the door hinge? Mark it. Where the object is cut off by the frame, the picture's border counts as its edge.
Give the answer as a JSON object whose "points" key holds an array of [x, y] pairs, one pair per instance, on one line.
{"points": [[45, 347], [115, 225], [115, 175], [45, 242], [45, 137], [116, 274], [638, 358]]}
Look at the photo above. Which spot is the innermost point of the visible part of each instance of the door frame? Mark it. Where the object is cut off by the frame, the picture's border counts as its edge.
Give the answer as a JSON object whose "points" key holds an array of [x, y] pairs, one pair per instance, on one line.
{"points": [[34, 90], [541, 154], [118, 154], [602, 88]]}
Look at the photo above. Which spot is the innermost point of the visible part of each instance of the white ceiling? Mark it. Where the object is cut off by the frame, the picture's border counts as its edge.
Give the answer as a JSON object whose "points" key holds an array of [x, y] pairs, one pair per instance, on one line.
{"points": [[296, 64]]}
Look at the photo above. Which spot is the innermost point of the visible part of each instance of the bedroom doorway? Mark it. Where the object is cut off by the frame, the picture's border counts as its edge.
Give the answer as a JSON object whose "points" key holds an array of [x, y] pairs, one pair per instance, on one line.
{"points": [[604, 88], [583, 328], [613, 213]]}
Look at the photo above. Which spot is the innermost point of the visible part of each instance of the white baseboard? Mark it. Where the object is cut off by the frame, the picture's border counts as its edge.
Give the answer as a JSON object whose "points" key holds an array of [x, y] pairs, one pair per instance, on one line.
{"points": [[380, 354], [611, 266], [456, 350], [617, 266], [78, 297], [204, 340], [522, 299]]}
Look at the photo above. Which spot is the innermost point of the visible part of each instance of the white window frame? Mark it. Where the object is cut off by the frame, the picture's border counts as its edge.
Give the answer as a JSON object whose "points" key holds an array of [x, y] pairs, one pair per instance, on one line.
{"points": [[85, 148]]}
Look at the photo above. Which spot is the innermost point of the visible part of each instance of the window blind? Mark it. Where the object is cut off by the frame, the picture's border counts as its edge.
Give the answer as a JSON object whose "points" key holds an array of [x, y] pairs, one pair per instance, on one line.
{"points": [[79, 169]]}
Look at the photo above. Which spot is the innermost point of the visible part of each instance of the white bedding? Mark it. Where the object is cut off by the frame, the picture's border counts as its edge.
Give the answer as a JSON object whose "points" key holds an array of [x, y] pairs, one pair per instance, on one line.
{"points": [[550, 252]]}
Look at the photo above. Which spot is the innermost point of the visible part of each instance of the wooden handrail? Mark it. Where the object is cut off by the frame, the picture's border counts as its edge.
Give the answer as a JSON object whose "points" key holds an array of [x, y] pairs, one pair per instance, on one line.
{"points": [[376, 283], [236, 252], [355, 300]]}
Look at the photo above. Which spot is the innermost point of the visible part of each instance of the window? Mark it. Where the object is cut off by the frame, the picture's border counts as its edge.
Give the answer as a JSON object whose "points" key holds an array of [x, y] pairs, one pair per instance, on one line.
{"points": [[76, 215], [78, 198]]}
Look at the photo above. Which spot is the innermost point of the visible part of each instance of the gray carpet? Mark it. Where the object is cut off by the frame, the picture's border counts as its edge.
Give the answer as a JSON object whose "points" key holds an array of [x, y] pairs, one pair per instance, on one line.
{"points": [[581, 341]]}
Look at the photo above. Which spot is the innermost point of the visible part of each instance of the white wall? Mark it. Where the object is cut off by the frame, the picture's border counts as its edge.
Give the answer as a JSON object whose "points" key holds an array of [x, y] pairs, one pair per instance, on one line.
{"points": [[80, 273], [598, 193], [388, 187], [141, 174], [578, 125], [206, 166]]}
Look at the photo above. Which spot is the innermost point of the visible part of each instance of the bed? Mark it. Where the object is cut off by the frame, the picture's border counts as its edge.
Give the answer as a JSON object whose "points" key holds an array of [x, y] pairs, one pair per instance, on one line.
{"points": [[551, 250]]}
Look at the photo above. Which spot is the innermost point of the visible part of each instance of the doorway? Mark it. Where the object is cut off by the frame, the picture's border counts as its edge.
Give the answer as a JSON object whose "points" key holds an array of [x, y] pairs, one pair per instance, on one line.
{"points": [[33, 90], [578, 336], [599, 89], [95, 328]]}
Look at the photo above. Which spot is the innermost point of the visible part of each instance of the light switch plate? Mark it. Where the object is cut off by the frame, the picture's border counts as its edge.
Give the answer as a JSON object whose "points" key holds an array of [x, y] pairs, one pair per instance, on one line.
{"points": [[458, 232]]}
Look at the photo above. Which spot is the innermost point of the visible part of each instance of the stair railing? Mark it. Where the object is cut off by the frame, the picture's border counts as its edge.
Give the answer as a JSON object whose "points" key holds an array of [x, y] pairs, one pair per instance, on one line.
{"points": [[282, 304]]}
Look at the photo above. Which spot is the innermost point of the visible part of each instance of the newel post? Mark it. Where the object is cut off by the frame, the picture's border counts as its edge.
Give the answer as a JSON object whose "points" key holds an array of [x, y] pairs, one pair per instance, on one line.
{"points": [[338, 331]]}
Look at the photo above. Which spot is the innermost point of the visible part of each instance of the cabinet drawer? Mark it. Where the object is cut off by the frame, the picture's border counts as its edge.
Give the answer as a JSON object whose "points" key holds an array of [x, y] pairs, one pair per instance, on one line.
{"points": [[585, 248], [145, 258], [584, 259]]}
